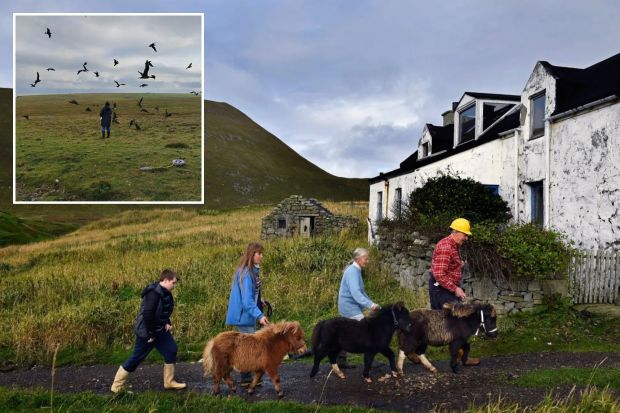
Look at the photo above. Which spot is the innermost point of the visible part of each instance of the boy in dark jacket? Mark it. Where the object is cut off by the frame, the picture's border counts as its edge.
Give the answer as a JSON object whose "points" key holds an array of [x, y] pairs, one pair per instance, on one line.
{"points": [[152, 328], [106, 119]]}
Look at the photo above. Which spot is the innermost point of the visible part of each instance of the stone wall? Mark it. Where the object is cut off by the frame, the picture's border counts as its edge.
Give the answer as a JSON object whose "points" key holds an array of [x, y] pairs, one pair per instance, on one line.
{"points": [[411, 264], [297, 206]]}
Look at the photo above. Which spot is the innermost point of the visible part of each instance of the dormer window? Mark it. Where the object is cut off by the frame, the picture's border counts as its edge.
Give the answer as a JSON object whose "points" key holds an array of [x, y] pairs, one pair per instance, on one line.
{"points": [[467, 123], [425, 150], [492, 111]]}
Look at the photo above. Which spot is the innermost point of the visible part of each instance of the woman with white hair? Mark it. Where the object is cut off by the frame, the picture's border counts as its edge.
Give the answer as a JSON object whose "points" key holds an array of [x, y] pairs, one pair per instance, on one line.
{"points": [[352, 299]]}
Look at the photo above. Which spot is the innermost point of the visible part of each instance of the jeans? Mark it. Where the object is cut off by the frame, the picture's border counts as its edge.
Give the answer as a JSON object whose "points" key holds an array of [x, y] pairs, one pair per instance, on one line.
{"points": [[164, 343], [439, 295]]}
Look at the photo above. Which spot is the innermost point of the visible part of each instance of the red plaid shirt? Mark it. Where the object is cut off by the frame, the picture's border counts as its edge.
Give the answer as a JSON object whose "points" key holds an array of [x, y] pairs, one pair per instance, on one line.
{"points": [[447, 264]]}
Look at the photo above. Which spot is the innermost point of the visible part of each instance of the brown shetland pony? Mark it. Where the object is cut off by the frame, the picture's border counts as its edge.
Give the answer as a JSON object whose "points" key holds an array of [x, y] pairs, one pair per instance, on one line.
{"points": [[260, 352]]}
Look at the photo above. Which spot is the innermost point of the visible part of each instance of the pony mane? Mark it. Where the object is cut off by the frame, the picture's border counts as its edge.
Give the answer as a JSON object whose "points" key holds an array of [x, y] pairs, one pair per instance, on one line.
{"points": [[281, 327], [386, 308], [459, 310]]}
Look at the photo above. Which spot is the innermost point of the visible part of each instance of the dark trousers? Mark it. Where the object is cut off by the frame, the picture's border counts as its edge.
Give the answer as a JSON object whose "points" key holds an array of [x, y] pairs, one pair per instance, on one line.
{"points": [[439, 295], [164, 343]]}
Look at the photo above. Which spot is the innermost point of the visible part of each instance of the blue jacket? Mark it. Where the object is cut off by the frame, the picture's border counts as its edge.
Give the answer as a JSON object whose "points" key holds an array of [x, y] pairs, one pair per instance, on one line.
{"points": [[352, 299], [242, 307]]}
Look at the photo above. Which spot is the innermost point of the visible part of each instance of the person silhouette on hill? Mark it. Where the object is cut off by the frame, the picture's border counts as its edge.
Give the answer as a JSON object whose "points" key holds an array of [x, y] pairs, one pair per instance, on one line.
{"points": [[106, 119]]}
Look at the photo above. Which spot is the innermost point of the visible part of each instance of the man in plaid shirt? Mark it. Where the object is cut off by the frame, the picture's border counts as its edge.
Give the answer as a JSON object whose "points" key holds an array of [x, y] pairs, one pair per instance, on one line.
{"points": [[444, 285]]}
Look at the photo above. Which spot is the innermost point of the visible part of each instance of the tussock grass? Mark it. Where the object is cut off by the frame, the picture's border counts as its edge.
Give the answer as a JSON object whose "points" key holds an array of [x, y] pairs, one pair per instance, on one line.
{"points": [[82, 290], [590, 400]]}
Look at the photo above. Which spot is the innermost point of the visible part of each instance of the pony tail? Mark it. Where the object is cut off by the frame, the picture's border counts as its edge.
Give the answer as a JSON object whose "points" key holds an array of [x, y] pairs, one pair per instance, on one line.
{"points": [[207, 359]]}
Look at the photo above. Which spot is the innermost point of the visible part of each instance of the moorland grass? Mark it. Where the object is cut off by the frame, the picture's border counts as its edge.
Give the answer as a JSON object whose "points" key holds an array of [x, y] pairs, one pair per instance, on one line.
{"points": [[31, 400], [590, 400], [82, 290], [63, 141]]}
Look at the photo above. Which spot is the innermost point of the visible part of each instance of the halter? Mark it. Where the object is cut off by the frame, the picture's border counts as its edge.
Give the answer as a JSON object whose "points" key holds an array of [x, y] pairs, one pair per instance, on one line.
{"points": [[482, 326], [394, 318]]}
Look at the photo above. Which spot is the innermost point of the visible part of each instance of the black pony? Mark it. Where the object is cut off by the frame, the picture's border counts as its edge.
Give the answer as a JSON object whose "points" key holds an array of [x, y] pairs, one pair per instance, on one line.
{"points": [[370, 336]]}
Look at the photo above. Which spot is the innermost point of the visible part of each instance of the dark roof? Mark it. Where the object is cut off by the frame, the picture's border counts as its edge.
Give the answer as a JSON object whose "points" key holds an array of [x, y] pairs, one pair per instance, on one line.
{"points": [[490, 96], [577, 87], [443, 136], [446, 134]]}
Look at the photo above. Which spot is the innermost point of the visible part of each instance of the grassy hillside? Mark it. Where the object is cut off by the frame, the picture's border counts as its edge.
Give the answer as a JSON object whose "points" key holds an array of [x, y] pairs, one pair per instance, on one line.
{"points": [[14, 230], [82, 289], [62, 141], [245, 164]]}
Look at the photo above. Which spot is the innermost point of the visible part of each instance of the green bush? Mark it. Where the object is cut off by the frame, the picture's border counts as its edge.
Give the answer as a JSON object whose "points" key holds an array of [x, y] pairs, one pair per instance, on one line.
{"points": [[446, 197], [535, 252]]}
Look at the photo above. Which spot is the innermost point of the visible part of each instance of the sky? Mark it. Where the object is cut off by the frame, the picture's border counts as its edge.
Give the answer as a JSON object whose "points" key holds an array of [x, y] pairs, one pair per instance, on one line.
{"points": [[350, 84], [98, 40]]}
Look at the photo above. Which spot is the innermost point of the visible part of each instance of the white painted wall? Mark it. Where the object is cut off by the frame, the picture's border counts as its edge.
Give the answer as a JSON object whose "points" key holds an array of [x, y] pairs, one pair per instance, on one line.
{"points": [[584, 199], [532, 153]]}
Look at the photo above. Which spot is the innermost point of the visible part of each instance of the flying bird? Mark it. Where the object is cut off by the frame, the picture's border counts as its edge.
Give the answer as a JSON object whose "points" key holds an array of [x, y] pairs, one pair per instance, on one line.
{"points": [[96, 74], [143, 85], [115, 62], [50, 68], [88, 109], [193, 92], [49, 33], [152, 45], [74, 102], [114, 105], [114, 117], [157, 108], [145, 74], [140, 101], [134, 123], [36, 81], [167, 115], [119, 84], [26, 116], [189, 65], [144, 110], [84, 68]]}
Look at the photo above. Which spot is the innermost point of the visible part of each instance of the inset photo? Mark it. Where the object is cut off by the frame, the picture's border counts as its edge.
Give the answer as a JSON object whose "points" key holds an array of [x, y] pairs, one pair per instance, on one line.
{"points": [[108, 108]]}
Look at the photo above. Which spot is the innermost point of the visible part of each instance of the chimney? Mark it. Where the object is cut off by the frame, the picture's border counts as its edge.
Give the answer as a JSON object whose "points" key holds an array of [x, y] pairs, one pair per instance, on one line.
{"points": [[448, 115]]}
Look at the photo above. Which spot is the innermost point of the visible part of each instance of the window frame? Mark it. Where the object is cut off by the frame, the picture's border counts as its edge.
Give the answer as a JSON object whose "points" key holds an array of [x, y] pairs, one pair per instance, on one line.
{"points": [[537, 202], [541, 132], [461, 113]]}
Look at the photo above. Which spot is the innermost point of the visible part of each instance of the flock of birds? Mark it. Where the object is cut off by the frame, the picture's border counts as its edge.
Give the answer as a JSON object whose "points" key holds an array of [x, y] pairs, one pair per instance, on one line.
{"points": [[143, 75]]}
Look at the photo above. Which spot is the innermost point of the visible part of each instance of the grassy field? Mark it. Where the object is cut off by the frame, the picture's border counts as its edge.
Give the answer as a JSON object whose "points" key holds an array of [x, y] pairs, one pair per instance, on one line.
{"points": [[82, 289], [63, 141]]}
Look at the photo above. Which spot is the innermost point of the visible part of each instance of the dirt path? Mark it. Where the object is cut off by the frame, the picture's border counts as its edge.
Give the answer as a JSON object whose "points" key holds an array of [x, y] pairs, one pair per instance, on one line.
{"points": [[417, 391]]}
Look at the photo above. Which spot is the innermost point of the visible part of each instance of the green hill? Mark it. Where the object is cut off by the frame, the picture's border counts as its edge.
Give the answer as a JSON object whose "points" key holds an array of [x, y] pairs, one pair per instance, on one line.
{"points": [[244, 165]]}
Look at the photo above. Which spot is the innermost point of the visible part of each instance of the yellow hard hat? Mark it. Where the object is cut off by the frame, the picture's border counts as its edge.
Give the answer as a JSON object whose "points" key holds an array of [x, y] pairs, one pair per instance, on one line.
{"points": [[461, 225]]}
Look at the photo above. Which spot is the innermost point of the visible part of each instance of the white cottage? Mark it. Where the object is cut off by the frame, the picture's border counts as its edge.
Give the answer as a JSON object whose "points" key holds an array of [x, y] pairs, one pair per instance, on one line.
{"points": [[553, 153]]}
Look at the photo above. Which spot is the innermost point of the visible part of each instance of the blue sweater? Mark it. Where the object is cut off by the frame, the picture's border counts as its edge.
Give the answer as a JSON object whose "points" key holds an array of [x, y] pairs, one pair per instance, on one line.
{"points": [[352, 299], [242, 305]]}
